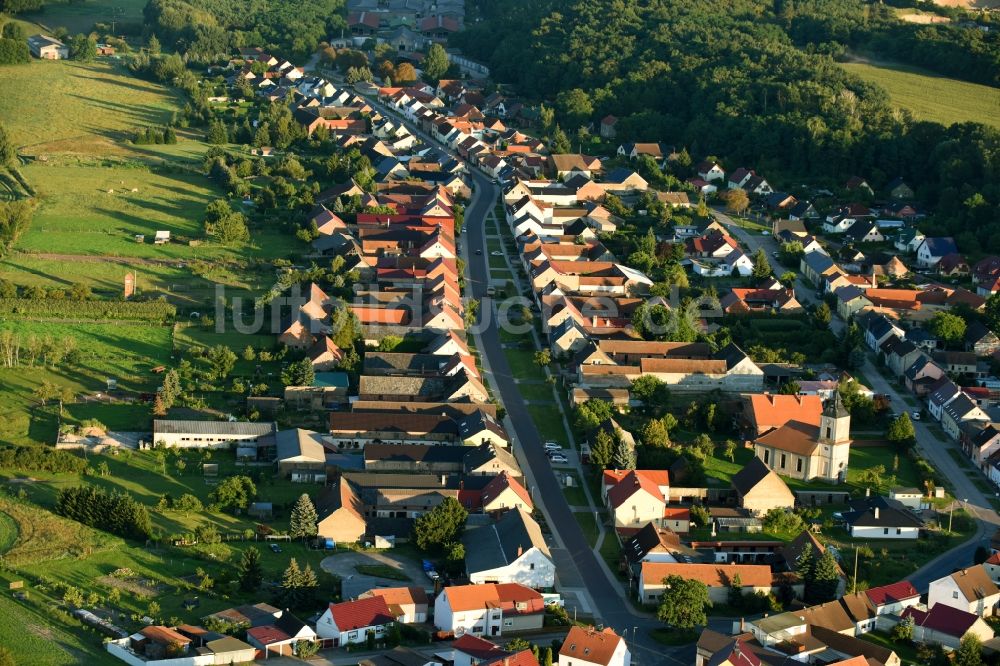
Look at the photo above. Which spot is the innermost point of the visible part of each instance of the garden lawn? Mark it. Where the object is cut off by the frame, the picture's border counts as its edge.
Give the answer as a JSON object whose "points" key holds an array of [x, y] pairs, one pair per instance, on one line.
{"points": [[575, 495], [588, 525], [81, 16], [522, 364], [866, 457], [548, 420], [31, 631], [719, 471], [536, 392]]}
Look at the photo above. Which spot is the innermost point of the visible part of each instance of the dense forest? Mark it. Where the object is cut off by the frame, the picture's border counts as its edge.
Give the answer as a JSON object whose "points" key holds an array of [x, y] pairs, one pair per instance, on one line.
{"points": [[755, 84]]}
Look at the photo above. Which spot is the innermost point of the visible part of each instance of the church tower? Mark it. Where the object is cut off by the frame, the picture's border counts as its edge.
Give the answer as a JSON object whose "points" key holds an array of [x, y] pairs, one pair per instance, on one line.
{"points": [[835, 422], [835, 439]]}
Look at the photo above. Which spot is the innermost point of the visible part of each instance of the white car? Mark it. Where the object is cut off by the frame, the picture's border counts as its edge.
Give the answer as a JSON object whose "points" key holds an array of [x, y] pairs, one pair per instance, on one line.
{"points": [[552, 446], [915, 415], [558, 458], [433, 575], [496, 253]]}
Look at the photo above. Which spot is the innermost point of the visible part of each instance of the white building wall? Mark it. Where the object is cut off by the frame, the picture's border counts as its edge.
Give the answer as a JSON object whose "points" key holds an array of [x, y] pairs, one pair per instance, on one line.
{"points": [[532, 569], [879, 533]]}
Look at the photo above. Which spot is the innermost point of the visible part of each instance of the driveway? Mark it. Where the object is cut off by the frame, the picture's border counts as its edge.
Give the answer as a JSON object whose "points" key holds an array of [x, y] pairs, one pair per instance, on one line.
{"points": [[354, 583]]}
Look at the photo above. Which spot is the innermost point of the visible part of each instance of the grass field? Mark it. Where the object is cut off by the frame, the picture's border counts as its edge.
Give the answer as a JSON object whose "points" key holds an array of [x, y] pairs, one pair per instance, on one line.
{"points": [[931, 97], [81, 16], [41, 536], [29, 632]]}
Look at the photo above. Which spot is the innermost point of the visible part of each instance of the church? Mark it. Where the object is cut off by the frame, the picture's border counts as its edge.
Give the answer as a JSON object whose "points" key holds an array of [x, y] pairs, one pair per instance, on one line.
{"points": [[809, 438]]}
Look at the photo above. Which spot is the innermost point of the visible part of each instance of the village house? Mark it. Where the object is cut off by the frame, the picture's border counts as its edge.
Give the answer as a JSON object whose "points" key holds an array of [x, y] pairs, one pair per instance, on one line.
{"points": [[588, 646], [407, 604], [351, 622], [47, 48], [510, 550], [970, 590], [488, 609], [881, 518], [946, 625], [759, 489], [718, 577]]}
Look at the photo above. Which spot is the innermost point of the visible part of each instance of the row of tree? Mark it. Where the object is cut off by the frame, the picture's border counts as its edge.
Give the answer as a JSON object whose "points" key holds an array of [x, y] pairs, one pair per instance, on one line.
{"points": [[115, 512]]}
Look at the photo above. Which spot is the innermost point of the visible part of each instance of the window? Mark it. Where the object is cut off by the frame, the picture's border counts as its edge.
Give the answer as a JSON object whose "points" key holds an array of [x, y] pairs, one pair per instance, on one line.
{"points": [[828, 431], [885, 530], [352, 635], [767, 456], [531, 566], [798, 465], [899, 531], [954, 595], [782, 461], [508, 623]]}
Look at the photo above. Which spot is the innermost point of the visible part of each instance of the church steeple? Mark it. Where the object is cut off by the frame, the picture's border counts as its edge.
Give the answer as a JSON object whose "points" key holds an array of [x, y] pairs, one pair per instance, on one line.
{"points": [[835, 422]]}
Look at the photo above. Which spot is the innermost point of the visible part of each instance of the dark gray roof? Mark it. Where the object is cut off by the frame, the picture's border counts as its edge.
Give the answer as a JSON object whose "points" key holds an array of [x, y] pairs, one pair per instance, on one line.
{"points": [[960, 406], [818, 261], [891, 513], [648, 538], [940, 246], [497, 545], [752, 473], [943, 394], [415, 453], [299, 442], [485, 453], [240, 428], [393, 362]]}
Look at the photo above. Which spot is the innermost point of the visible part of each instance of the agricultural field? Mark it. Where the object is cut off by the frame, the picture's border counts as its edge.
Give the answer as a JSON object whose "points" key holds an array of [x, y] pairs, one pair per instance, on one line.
{"points": [[81, 16], [931, 97]]}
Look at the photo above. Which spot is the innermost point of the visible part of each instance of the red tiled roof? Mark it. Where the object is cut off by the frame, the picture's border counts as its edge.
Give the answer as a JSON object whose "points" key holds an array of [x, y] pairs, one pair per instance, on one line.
{"points": [[522, 658], [361, 613], [888, 594], [660, 477], [947, 620], [629, 485], [501, 483], [164, 635], [268, 634], [590, 645], [477, 647]]}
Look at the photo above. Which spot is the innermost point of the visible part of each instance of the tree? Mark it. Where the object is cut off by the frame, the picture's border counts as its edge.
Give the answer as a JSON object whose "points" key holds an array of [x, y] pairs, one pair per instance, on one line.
{"points": [[8, 152], [543, 358], [224, 224], [872, 476], [730, 450], [574, 107], [358, 74], [805, 565], [153, 45], [14, 30], [969, 652], [761, 266], [405, 73], [901, 431], [299, 373], [306, 649], [602, 449], [623, 454], [825, 579], [436, 62], [217, 133], [440, 526], [171, 388], [782, 521], [654, 433], [221, 359], [822, 316], [251, 575], [737, 201], [684, 603], [234, 492], [303, 518], [948, 327], [83, 48], [298, 586], [903, 631], [560, 142], [650, 390]]}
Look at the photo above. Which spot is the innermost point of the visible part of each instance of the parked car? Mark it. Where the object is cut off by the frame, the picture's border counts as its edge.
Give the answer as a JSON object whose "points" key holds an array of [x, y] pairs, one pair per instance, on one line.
{"points": [[915, 415], [496, 253], [552, 446], [433, 575], [558, 458], [275, 548]]}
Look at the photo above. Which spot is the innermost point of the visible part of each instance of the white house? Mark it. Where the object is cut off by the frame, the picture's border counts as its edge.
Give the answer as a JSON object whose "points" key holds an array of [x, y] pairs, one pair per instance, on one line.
{"points": [[881, 518], [350, 622], [511, 550], [590, 647], [411, 601], [970, 590], [893, 598], [933, 249], [711, 171], [488, 609]]}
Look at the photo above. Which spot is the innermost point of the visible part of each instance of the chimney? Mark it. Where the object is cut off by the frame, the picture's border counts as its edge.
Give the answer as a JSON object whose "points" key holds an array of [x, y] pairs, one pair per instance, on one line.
{"points": [[743, 625], [876, 512], [520, 551], [868, 492]]}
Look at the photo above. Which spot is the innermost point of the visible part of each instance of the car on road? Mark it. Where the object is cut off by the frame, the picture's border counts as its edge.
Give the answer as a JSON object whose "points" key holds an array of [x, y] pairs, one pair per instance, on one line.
{"points": [[433, 575], [775, 254], [558, 458], [552, 446], [915, 415], [765, 233], [496, 253], [275, 548], [479, 251]]}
